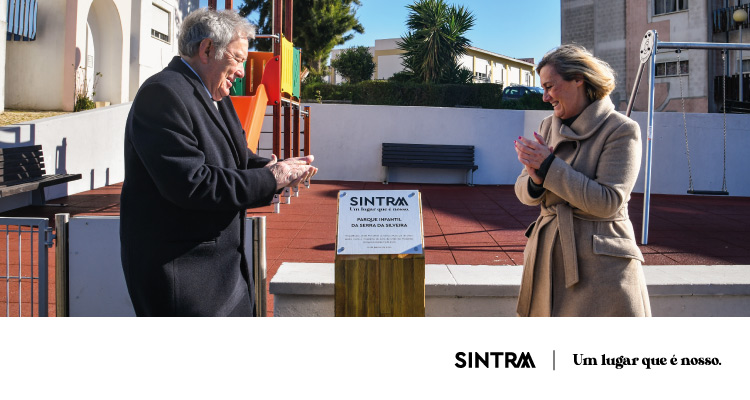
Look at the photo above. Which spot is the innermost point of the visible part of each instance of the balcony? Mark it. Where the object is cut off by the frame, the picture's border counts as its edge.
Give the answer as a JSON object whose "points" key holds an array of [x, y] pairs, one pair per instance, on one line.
{"points": [[723, 21]]}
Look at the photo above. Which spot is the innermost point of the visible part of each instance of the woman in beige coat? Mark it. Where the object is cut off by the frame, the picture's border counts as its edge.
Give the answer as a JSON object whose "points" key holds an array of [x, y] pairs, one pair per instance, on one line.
{"points": [[581, 258]]}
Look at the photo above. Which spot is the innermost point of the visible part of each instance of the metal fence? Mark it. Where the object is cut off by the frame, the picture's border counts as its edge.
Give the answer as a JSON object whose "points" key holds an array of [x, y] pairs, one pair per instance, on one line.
{"points": [[24, 283], [24, 279]]}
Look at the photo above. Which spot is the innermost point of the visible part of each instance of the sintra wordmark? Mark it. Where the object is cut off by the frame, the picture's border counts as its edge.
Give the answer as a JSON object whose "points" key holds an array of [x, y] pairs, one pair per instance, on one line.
{"points": [[494, 359]]}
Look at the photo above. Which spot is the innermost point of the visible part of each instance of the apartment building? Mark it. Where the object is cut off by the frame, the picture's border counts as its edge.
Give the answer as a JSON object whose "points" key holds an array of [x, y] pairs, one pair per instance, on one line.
{"points": [[613, 30]]}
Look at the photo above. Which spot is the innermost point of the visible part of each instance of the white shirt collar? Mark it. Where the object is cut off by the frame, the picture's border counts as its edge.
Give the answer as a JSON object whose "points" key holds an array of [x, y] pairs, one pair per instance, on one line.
{"points": [[199, 78]]}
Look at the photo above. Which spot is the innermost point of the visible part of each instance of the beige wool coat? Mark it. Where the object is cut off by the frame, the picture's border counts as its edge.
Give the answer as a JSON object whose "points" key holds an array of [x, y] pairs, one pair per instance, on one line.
{"points": [[581, 258]]}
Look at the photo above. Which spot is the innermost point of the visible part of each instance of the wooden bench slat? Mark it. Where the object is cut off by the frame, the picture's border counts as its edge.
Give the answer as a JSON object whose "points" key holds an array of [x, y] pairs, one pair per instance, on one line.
{"points": [[22, 169], [416, 155], [435, 155], [407, 158], [20, 149]]}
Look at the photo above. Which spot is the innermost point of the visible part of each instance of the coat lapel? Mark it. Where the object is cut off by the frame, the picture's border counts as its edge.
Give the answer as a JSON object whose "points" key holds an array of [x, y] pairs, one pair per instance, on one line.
{"points": [[237, 134], [208, 104]]}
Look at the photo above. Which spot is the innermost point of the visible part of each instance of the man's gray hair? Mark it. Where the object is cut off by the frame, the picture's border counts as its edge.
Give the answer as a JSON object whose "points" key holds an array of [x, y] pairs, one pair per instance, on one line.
{"points": [[222, 27]]}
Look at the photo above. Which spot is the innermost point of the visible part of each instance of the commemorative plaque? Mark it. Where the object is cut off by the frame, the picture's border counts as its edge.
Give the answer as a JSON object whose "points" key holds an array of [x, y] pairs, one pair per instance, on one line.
{"points": [[379, 222], [380, 268]]}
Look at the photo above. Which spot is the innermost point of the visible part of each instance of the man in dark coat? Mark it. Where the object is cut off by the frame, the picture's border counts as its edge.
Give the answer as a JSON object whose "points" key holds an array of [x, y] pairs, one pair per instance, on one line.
{"points": [[189, 178]]}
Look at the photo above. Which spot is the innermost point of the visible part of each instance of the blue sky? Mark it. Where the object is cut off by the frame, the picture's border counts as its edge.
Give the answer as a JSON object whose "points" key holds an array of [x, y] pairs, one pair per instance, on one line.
{"points": [[513, 28]]}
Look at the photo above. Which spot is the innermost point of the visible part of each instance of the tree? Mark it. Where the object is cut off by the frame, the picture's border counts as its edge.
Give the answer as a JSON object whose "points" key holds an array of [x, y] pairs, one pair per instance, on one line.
{"points": [[318, 26], [355, 64], [435, 40]]}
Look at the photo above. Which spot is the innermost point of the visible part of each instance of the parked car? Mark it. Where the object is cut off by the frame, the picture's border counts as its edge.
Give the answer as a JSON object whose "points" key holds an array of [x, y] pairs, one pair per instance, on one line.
{"points": [[516, 92]]}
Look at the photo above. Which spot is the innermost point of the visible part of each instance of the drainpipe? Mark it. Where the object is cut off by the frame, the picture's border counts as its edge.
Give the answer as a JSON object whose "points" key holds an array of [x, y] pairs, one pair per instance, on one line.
{"points": [[3, 28]]}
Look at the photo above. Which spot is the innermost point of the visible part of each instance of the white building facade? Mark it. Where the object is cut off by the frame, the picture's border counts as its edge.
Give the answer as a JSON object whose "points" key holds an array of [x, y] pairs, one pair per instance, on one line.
{"points": [[486, 66], [123, 41]]}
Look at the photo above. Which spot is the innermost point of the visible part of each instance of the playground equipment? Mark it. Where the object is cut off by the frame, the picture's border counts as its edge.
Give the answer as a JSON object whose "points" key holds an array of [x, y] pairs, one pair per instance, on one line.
{"points": [[649, 45], [273, 79]]}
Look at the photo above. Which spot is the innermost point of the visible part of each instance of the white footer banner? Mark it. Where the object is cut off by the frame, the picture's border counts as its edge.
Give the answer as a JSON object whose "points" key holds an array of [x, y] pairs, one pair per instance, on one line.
{"points": [[368, 358]]}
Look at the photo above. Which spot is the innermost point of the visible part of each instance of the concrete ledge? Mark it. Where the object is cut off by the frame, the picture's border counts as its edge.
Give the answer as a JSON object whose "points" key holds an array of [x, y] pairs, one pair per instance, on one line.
{"points": [[306, 290]]}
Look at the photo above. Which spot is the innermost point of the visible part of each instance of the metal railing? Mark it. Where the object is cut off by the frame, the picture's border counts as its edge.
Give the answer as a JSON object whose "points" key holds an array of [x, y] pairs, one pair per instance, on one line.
{"points": [[24, 282], [723, 21], [259, 264]]}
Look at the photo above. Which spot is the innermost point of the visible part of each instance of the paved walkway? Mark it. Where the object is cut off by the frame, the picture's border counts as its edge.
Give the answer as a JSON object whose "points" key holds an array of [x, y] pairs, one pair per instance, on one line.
{"points": [[479, 225]]}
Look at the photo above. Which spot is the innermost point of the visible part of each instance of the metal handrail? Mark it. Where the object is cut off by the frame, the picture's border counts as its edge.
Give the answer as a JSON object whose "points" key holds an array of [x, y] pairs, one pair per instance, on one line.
{"points": [[259, 264]]}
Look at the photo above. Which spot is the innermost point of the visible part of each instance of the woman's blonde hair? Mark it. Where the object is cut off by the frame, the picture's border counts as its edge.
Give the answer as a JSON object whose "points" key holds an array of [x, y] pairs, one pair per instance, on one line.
{"points": [[573, 61]]}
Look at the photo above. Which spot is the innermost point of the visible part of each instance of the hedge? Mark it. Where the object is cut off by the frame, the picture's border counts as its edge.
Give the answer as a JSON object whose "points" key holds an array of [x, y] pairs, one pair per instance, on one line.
{"points": [[481, 95]]}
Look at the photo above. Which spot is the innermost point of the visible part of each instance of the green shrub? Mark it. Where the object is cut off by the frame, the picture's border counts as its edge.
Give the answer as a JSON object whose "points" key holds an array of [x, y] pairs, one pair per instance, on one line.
{"points": [[398, 93], [83, 103]]}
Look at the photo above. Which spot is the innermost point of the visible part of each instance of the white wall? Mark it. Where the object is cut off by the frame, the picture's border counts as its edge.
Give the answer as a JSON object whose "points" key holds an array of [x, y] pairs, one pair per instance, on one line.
{"points": [[307, 290], [34, 69], [388, 66], [89, 143], [39, 75], [96, 280], [149, 55], [347, 141]]}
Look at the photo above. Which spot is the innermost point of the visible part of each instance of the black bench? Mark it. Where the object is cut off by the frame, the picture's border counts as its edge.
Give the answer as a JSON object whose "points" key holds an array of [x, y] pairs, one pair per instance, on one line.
{"points": [[428, 156], [22, 170], [738, 107]]}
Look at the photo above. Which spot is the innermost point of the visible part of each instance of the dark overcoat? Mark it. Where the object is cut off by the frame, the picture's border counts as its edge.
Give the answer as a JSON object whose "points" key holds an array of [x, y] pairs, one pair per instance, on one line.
{"points": [[581, 258], [189, 178]]}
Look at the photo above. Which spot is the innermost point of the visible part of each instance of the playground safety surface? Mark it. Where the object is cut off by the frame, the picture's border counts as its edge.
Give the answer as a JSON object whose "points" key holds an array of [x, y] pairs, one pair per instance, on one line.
{"points": [[477, 225]]}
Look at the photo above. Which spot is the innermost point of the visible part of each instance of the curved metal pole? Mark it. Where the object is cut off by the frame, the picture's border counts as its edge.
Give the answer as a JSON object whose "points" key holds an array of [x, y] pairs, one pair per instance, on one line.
{"points": [[634, 92]]}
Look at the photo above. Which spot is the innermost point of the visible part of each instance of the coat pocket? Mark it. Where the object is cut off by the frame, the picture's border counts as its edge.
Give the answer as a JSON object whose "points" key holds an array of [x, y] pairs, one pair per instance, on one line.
{"points": [[617, 247]]}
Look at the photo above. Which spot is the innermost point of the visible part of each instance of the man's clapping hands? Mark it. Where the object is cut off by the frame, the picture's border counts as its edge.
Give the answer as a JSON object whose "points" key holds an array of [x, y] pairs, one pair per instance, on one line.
{"points": [[292, 171]]}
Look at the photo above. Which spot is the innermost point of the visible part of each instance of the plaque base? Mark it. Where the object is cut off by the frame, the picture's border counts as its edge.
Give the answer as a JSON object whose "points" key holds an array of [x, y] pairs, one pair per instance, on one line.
{"points": [[380, 285]]}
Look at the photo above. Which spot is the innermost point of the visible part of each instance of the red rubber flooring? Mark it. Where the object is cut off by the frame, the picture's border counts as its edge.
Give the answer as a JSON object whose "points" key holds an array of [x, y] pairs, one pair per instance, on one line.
{"points": [[479, 225]]}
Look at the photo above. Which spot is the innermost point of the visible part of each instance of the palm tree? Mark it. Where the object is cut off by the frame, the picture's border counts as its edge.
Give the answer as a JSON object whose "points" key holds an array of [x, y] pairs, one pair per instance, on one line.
{"points": [[435, 39]]}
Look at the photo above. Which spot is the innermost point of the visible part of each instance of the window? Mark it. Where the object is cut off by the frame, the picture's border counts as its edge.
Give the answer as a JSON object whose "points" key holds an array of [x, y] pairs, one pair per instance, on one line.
{"points": [[527, 77], [481, 77], [21, 20], [669, 6], [499, 73], [669, 68], [160, 22]]}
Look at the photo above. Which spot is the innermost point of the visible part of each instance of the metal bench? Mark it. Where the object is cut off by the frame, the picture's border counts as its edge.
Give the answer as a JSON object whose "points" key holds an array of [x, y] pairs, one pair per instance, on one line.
{"points": [[22, 170], [738, 107], [428, 156]]}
